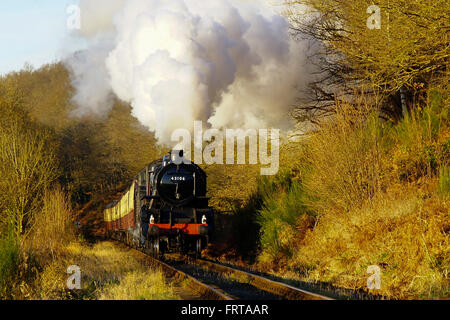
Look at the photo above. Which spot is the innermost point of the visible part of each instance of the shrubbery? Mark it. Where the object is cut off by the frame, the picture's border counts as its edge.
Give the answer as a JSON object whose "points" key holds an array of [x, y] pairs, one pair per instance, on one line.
{"points": [[364, 191], [9, 259], [51, 162]]}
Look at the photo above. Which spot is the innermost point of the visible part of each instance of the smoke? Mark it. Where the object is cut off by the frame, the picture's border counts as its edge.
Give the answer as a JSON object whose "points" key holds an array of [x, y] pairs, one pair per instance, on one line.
{"points": [[226, 63]]}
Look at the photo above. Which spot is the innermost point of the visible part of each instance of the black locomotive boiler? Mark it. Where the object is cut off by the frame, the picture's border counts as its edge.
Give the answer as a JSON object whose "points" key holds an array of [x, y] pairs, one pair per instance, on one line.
{"points": [[165, 209]]}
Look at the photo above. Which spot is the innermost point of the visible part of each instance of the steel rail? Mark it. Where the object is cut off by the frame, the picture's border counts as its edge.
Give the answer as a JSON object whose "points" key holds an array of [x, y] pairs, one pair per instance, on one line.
{"points": [[208, 292], [278, 288]]}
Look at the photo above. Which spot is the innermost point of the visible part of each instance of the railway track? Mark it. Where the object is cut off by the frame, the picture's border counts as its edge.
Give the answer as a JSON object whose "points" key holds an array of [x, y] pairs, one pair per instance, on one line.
{"points": [[202, 290], [213, 281], [282, 290]]}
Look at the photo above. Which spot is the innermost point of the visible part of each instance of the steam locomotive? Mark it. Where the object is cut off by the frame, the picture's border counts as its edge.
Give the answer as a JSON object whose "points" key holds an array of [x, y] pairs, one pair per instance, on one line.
{"points": [[164, 210]]}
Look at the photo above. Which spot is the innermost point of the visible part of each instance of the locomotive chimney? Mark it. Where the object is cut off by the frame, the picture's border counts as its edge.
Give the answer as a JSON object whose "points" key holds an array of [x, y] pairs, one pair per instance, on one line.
{"points": [[177, 156]]}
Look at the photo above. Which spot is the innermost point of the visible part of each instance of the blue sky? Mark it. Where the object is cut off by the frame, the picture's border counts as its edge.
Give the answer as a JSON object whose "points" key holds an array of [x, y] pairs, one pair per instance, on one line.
{"points": [[33, 31]]}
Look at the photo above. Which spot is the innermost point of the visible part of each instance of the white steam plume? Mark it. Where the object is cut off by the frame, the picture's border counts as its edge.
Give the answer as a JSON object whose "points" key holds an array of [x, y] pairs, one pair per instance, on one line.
{"points": [[227, 63]]}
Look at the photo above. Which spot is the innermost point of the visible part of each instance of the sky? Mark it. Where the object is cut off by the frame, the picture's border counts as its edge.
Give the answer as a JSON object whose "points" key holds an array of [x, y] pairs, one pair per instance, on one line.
{"points": [[34, 32]]}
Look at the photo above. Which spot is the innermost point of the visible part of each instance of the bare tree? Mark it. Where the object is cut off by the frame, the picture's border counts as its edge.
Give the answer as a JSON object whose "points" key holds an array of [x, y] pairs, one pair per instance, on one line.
{"points": [[394, 61]]}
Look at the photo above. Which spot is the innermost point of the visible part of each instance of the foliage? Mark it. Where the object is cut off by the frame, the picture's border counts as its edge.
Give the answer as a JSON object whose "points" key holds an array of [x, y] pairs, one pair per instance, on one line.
{"points": [[139, 285], [104, 275], [52, 226], [409, 52], [27, 165], [51, 160], [362, 191], [94, 153], [9, 259], [278, 220], [444, 181], [342, 163]]}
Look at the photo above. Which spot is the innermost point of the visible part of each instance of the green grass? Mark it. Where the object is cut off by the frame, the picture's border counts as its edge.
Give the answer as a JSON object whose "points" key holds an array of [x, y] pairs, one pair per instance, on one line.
{"points": [[444, 181], [278, 219], [9, 257]]}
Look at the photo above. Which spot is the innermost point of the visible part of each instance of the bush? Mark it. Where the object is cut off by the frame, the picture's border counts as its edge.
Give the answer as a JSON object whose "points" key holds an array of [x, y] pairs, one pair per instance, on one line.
{"points": [[278, 219], [246, 226], [27, 167], [344, 163], [444, 181], [9, 257], [53, 224], [421, 146]]}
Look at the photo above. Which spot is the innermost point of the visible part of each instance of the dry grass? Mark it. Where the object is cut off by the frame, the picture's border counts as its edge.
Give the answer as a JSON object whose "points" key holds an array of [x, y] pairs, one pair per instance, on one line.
{"points": [[344, 162], [49, 230], [379, 196], [108, 272], [140, 285], [401, 233], [52, 226]]}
